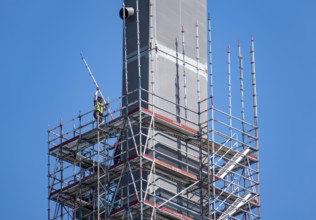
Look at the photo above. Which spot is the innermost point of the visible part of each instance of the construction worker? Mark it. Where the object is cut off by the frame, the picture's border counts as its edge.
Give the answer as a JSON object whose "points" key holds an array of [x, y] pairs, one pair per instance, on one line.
{"points": [[99, 107], [117, 149]]}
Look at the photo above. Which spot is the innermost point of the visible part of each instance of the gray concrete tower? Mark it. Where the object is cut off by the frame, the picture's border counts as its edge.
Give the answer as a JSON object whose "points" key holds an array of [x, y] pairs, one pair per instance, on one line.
{"points": [[166, 50]]}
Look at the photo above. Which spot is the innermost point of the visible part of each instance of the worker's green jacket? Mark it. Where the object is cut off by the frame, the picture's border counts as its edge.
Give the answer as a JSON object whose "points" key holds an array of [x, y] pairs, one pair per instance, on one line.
{"points": [[99, 107]]}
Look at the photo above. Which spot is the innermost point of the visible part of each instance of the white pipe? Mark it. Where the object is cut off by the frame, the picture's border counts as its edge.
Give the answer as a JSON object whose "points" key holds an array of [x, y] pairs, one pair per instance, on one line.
{"points": [[126, 12]]}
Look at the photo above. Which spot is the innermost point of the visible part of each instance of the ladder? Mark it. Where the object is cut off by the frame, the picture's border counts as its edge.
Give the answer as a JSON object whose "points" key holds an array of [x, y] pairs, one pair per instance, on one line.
{"points": [[231, 163], [239, 202]]}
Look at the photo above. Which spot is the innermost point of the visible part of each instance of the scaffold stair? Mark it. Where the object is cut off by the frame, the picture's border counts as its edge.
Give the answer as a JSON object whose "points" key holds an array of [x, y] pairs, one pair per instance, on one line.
{"points": [[238, 203], [233, 162]]}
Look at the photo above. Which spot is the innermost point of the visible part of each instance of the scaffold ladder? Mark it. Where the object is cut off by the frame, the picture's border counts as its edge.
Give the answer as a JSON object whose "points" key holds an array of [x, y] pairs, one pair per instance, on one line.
{"points": [[239, 202], [232, 163]]}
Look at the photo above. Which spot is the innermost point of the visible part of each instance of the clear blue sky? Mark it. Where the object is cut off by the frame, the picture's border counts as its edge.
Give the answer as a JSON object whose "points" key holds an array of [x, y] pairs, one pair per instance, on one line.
{"points": [[43, 79]]}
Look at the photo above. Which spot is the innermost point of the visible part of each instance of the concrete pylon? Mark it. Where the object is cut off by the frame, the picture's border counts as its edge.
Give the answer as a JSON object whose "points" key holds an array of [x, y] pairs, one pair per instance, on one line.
{"points": [[166, 52]]}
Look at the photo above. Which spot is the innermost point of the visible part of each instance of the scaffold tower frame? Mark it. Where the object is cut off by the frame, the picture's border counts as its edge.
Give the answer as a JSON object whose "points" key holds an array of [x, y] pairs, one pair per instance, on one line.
{"points": [[123, 167]]}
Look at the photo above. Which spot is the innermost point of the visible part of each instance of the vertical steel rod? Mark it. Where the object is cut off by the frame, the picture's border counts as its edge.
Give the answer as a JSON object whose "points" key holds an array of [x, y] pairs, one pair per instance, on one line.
{"points": [[126, 102], [254, 81], [98, 170], [199, 116], [213, 207], [125, 58], [184, 76], [140, 105], [81, 171], [197, 62], [48, 175], [61, 167], [153, 63], [255, 105], [74, 172], [241, 71], [95, 82], [241, 78], [229, 96]]}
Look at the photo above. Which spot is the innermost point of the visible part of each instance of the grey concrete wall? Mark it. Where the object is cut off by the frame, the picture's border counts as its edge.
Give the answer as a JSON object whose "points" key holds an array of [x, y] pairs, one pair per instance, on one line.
{"points": [[162, 72], [172, 15]]}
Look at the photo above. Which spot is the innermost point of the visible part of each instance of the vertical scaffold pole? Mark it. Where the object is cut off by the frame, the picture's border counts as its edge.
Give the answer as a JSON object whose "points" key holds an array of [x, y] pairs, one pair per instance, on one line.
{"points": [[152, 61], [98, 169], [125, 58], [254, 81], [94, 81], [255, 105], [199, 117], [241, 71], [48, 175], [126, 102], [197, 62], [213, 215], [241, 78], [80, 169], [152, 66], [184, 76], [140, 106], [61, 167], [74, 175], [229, 97]]}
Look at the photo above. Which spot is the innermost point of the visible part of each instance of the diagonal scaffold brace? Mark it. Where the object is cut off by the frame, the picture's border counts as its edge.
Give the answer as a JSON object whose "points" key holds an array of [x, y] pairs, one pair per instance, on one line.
{"points": [[94, 81]]}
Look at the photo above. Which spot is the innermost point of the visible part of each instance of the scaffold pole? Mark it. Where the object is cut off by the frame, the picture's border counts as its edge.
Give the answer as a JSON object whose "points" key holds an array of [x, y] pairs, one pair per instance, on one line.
{"points": [[94, 81]]}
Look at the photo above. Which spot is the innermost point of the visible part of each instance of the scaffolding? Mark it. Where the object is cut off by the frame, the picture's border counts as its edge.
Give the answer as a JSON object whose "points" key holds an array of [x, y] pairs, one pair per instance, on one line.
{"points": [[148, 162]]}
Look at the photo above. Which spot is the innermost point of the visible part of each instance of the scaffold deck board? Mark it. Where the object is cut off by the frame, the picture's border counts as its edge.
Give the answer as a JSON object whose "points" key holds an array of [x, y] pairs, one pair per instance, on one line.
{"points": [[74, 203], [160, 166], [114, 172], [184, 129], [169, 168], [78, 160], [179, 130], [183, 196], [80, 142], [84, 184], [169, 212], [122, 209]]}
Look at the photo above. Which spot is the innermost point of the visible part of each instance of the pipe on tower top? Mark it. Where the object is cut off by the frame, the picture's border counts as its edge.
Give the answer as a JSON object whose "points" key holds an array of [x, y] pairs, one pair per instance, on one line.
{"points": [[126, 12]]}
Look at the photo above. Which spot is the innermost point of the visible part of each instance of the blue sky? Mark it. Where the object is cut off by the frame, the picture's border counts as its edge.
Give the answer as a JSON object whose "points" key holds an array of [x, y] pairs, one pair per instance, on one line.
{"points": [[44, 80]]}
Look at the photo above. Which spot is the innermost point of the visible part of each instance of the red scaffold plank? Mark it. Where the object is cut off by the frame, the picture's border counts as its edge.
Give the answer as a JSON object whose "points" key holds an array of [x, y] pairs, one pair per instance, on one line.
{"points": [[163, 164], [168, 211], [255, 202], [73, 185], [64, 143], [170, 167], [252, 156], [123, 162], [110, 123], [121, 209], [170, 121]]}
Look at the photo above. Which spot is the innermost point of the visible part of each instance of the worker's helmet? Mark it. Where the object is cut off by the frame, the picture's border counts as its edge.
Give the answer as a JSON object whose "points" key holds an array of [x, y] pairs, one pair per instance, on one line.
{"points": [[100, 98]]}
